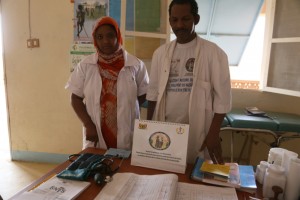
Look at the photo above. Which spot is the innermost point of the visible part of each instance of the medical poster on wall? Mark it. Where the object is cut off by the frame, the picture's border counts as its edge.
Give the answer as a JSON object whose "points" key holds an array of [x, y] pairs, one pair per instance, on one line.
{"points": [[86, 13], [78, 52]]}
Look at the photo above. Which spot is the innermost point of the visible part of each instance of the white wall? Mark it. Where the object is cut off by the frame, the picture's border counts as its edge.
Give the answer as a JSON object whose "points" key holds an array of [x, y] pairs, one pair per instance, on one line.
{"points": [[41, 118]]}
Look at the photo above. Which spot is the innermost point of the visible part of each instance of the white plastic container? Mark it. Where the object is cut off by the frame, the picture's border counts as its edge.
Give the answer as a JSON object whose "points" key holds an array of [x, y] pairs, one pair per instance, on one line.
{"points": [[292, 189], [286, 159], [275, 155], [260, 171], [275, 175]]}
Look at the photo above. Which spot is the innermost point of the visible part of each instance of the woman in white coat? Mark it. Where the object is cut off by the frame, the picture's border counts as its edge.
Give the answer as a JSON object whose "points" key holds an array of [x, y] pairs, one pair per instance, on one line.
{"points": [[107, 88]]}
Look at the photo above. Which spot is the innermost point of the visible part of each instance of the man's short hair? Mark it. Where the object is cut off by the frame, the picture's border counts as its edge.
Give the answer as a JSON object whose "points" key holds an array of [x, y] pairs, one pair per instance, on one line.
{"points": [[193, 3]]}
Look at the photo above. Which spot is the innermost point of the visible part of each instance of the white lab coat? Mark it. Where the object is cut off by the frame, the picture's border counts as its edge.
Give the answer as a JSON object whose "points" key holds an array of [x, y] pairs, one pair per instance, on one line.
{"points": [[85, 81], [211, 90]]}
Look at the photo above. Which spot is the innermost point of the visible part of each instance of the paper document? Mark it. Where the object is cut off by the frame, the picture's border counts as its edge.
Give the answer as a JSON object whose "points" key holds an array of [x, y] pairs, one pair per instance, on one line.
{"points": [[133, 186], [130, 186], [156, 145], [55, 189], [187, 191]]}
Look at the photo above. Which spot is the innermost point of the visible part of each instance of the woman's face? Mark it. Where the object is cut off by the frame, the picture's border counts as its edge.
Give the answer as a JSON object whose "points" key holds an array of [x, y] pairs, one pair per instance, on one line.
{"points": [[106, 39]]}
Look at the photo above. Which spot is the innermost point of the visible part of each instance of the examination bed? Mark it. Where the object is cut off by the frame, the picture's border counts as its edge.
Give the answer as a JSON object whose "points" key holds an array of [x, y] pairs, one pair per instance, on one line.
{"points": [[279, 126]]}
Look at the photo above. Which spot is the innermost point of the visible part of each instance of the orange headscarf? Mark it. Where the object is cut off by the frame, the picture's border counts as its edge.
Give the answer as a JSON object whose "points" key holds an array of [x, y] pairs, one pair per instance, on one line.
{"points": [[110, 21]]}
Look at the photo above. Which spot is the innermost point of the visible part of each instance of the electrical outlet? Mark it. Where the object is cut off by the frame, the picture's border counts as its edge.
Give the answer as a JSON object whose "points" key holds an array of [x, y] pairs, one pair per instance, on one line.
{"points": [[33, 43], [29, 43], [36, 42]]}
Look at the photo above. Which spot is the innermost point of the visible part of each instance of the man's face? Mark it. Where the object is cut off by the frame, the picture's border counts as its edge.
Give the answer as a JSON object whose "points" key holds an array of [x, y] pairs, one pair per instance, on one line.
{"points": [[183, 22]]}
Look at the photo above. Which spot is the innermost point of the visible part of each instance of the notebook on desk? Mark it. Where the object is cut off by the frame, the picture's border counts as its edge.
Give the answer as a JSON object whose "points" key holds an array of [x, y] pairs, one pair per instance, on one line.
{"points": [[241, 177]]}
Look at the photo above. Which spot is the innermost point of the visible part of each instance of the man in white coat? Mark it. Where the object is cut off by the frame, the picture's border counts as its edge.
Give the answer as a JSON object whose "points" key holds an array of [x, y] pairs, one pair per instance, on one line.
{"points": [[190, 83]]}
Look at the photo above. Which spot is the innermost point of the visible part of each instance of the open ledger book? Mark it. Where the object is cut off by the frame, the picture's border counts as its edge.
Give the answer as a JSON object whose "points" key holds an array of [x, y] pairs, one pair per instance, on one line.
{"points": [[128, 186]]}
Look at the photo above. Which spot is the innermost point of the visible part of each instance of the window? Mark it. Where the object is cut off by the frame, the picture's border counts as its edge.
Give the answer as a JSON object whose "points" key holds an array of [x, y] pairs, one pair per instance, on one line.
{"points": [[247, 74], [232, 24], [282, 48], [147, 27], [228, 23], [237, 26]]}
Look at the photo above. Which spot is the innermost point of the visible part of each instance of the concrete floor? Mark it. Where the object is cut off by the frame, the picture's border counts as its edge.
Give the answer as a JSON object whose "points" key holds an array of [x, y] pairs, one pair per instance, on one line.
{"points": [[15, 175]]}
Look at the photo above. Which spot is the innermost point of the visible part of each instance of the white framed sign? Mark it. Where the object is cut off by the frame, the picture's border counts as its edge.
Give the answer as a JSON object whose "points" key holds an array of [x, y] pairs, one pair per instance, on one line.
{"points": [[160, 145]]}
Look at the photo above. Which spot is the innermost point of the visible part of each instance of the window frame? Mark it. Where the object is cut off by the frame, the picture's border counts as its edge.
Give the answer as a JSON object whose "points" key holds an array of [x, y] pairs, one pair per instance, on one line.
{"points": [[165, 36], [268, 41]]}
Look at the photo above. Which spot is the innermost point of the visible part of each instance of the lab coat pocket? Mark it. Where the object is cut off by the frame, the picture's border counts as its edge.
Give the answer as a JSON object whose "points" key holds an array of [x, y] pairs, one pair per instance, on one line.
{"points": [[203, 95]]}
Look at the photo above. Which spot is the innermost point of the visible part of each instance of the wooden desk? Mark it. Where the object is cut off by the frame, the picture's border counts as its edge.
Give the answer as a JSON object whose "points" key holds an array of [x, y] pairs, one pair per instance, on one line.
{"points": [[92, 191]]}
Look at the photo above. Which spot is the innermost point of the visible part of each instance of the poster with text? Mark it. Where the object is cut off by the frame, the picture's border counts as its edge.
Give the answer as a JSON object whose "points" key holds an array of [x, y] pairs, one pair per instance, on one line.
{"points": [[78, 52], [160, 145]]}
